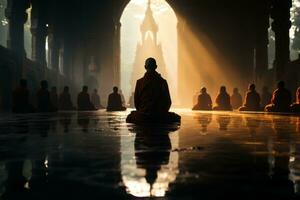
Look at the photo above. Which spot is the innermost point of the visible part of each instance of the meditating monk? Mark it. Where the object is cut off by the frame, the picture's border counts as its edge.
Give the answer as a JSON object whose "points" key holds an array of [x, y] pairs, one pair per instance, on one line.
{"points": [[43, 98], [296, 106], [20, 99], [95, 98], [223, 100], [152, 98], [83, 100], [281, 99], [252, 100], [64, 101], [114, 102], [204, 101], [236, 99]]}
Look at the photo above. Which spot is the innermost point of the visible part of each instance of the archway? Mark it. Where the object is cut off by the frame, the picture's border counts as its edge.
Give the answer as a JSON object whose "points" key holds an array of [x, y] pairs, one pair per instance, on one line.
{"points": [[149, 29]]}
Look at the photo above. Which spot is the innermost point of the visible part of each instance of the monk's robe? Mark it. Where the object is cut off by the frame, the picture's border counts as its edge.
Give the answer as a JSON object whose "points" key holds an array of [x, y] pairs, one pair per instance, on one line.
{"points": [[223, 102], [281, 101], [252, 102], [204, 102], [114, 102], [65, 102], [84, 102], [152, 101]]}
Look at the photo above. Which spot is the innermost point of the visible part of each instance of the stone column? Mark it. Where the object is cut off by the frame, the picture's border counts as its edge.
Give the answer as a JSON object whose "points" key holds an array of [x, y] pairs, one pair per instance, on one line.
{"points": [[262, 39], [117, 54], [17, 16], [280, 12], [53, 45], [39, 33]]}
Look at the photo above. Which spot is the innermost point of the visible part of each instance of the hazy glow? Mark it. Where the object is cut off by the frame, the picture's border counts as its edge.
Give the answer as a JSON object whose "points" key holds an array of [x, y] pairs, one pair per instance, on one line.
{"points": [[202, 65], [131, 20]]}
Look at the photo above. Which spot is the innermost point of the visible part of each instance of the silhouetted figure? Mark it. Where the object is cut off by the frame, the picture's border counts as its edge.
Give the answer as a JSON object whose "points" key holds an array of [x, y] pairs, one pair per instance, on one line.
{"points": [[131, 101], [252, 100], [266, 97], [114, 102], [54, 98], [83, 100], [223, 100], [204, 101], [21, 99], [281, 99], [152, 98], [64, 101], [236, 99], [296, 106], [43, 98], [95, 98]]}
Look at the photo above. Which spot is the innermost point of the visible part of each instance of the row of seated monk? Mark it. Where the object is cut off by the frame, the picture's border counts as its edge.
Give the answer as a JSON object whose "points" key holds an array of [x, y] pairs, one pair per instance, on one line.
{"points": [[279, 101], [50, 101], [151, 99]]}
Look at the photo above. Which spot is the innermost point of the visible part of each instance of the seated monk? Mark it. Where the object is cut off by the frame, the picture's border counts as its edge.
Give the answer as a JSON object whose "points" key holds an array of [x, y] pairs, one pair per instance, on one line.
{"points": [[21, 99], [236, 99], [43, 98], [152, 98], [223, 100], [204, 101], [83, 100], [296, 106], [252, 100], [281, 99], [114, 102], [64, 101], [95, 98]]}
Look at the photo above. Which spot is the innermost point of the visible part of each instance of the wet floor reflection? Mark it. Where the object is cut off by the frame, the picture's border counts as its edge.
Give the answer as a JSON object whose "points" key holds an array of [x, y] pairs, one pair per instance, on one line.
{"points": [[154, 165], [212, 154]]}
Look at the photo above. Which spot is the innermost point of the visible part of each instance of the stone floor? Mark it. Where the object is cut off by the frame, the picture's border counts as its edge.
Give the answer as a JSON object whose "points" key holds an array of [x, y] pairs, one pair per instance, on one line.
{"points": [[96, 155]]}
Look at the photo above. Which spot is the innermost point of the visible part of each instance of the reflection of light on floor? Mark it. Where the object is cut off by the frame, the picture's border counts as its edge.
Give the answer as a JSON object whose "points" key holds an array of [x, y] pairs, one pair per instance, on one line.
{"points": [[134, 177]]}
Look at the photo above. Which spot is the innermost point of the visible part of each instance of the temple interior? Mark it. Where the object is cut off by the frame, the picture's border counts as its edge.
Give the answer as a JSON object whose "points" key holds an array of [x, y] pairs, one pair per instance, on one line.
{"points": [[89, 153]]}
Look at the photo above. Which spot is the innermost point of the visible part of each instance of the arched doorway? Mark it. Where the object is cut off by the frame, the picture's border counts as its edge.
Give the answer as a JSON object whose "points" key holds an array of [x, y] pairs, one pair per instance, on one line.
{"points": [[148, 29]]}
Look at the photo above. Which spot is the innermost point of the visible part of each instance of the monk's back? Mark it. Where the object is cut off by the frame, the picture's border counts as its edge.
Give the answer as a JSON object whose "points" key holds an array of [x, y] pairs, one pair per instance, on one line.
{"points": [[152, 94]]}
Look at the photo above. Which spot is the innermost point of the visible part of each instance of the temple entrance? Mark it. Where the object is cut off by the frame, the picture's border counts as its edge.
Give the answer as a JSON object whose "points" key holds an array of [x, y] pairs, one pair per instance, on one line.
{"points": [[149, 29]]}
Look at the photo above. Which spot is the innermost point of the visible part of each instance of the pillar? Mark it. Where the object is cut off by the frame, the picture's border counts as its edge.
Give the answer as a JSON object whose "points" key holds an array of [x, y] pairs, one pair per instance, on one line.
{"points": [[39, 33], [117, 54], [17, 16], [280, 12], [262, 39]]}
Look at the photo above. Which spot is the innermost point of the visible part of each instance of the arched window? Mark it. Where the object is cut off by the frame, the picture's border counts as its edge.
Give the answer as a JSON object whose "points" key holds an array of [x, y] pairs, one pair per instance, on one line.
{"points": [[148, 29]]}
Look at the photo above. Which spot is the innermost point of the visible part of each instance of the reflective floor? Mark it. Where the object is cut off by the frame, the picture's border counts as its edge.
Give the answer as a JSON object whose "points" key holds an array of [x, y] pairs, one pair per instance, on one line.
{"points": [[96, 155]]}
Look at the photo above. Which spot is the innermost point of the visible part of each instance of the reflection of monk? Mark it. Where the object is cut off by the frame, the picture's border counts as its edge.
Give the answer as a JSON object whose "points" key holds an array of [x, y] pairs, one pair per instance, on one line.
{"points": [[224, 121], [152, 98], [152, 149], [281, 99], [204, 101], [204, 121], [252, 100], [21, 99], [223, 100]]}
